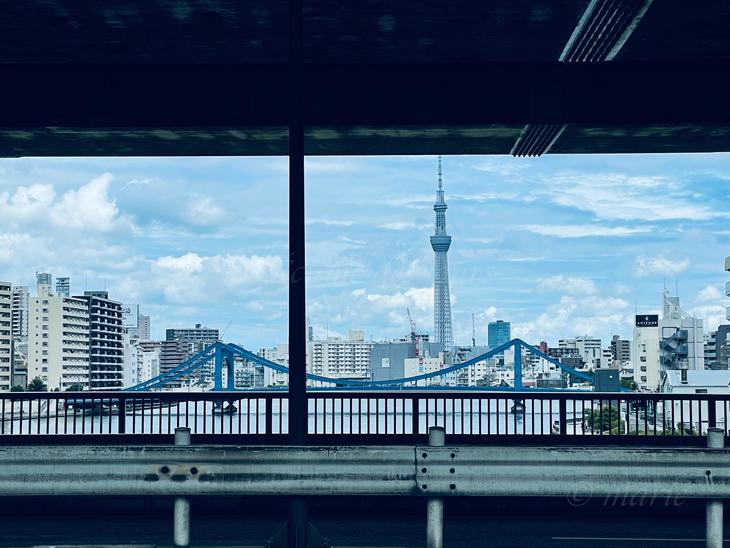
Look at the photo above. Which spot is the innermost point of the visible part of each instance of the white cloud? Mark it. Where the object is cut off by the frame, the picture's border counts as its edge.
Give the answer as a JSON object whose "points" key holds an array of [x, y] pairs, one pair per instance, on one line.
{"points": [[330, 222], [188, 263], [568, 284], [488, 315], [617, 196], [195, 278], [27, 202], [576, 315], [583, 231], [203, 211], [88, 208], [420, 298], [9, 243], [709, 293], [712, 315], [647, 266], [404, 225]]}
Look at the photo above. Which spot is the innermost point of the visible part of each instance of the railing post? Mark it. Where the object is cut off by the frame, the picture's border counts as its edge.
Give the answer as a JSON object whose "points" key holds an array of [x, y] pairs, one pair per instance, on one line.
{"points": [[714, 510], [415, 416], [563, 416], [181, 519], [122, 414], [711, 413], [435, 505], [269, 417]]}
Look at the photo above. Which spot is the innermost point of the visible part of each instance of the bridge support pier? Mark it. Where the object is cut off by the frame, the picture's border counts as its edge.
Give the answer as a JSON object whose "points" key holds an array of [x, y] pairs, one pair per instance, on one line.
{"points": [[181, 519], [714, 511], [435, 505]]}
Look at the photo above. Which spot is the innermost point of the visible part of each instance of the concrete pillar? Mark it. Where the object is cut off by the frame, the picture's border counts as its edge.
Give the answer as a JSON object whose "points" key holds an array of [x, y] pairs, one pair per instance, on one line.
{"points": [[713, 516], [435, 505], [181, 519]]}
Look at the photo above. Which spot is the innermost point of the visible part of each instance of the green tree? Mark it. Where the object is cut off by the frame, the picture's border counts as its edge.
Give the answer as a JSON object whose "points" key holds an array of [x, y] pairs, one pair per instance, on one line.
{"points": [[78, 387], [17, 388], [629, 383], [37, 385], [607, 419]]}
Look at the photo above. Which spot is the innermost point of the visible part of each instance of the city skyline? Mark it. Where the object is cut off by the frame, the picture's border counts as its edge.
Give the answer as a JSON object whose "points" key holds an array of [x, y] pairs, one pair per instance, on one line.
{"points": [[559, 246]]}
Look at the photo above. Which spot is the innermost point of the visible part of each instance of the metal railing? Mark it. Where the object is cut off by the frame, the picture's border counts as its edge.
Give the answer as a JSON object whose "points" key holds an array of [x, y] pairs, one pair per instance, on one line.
{"points": [[368, 417]]}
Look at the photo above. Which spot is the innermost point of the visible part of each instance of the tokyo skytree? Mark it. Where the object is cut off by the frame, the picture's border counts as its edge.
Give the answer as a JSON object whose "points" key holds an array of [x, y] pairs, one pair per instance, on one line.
{"points": [[440, 242]]}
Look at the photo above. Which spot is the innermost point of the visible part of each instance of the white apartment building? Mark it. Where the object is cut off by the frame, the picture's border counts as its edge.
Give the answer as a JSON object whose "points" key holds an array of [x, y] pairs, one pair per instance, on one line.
{"points": [[6, 336], [681, 338], [20, 312], [278, 354], [424, 365], [58, 339], [148, 360], [645, 352], [19, 328], [132, 357], [589, 349], [339, 358]]}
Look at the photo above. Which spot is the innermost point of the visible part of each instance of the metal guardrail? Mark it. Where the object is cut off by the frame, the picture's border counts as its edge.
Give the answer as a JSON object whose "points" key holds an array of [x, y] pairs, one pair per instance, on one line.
{"points": [[399, 417], [435, 471], [356, 470]]}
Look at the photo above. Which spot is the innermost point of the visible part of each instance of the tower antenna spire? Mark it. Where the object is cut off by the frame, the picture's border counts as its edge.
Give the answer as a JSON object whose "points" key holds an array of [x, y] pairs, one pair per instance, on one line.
{"points": [[440, 243]]}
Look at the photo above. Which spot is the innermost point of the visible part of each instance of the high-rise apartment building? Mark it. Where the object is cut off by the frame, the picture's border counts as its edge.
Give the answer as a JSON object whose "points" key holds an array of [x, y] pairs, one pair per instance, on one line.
{"points": [[144, 328], [716, 346], [645, 351], [6, 336], [620, 351], [58, 338], [172, 353], [197, 338], [63, 287], [340, 358], [149, 360], [106, 341], [681, 338], [589, 349], [19, 328], [20, 312], [278, 354]]}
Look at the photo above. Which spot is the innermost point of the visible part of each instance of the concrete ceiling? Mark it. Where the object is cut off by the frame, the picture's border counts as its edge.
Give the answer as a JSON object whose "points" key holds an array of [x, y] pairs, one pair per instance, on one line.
{"points": [[212, 77]]}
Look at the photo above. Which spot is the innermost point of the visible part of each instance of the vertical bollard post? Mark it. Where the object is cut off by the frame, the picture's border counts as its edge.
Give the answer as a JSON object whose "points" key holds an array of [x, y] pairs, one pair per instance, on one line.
{"points": [[713, 517], [181, 519], [435, 505]]}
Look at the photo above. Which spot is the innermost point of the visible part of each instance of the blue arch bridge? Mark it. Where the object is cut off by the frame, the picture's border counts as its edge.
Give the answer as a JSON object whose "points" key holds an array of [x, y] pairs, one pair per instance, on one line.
{"points": [[221, 357]]}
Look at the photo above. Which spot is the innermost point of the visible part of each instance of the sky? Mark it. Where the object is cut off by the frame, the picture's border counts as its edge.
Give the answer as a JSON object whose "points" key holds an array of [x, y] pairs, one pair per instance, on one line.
{"points": [[560, 246]]}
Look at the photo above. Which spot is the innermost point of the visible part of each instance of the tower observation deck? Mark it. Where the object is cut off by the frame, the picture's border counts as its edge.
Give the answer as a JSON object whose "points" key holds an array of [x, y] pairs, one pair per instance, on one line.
{"points": [[440, 242]]}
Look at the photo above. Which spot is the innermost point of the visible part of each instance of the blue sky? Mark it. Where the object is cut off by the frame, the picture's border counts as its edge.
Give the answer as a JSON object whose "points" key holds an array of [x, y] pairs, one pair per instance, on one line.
{"points": [[560, 245]]}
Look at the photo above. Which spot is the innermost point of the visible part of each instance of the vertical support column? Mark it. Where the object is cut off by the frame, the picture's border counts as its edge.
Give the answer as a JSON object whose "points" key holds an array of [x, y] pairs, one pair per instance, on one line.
{"points": [[298, 409], [518, 365], [714, 511], [435, 505], [230, 370], [181, 519], [218, 368]]}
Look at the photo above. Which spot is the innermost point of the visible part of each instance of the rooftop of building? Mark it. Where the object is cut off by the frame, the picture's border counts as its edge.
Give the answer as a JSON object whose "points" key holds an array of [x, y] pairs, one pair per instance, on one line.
{"points": [[699, 378]]}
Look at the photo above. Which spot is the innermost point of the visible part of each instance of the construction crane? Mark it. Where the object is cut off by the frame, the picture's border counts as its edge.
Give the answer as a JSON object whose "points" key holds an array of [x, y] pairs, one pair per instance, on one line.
{"points": [[414, 339], [412, 324]]}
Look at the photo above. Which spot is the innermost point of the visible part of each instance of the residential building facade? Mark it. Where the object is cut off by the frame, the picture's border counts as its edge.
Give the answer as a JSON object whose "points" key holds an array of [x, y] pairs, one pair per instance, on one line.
{"points": [[58, 338], [6, 336]]}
